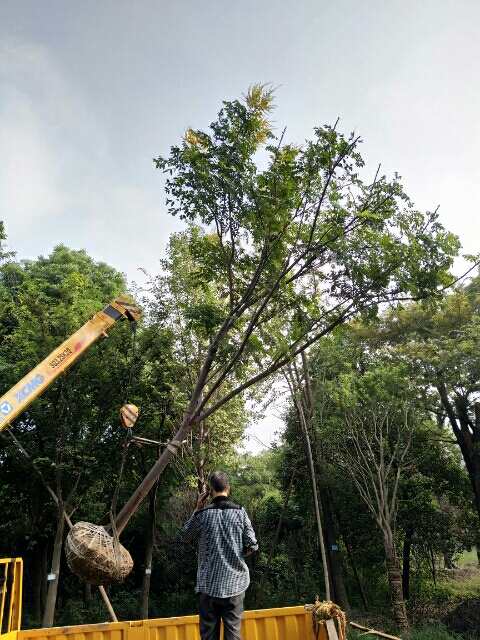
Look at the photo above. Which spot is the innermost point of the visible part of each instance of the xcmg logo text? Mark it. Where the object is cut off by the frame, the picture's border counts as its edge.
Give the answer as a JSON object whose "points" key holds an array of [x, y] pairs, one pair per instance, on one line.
{"points": [[29, 387]]}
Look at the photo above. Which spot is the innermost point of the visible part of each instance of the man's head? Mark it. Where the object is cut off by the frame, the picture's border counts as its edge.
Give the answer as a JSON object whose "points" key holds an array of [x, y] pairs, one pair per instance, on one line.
{"points": [[219, 483]]}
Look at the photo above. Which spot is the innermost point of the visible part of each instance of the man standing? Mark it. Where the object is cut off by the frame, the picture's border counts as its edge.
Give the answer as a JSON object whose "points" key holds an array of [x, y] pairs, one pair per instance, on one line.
{"points": [[225, 537]]}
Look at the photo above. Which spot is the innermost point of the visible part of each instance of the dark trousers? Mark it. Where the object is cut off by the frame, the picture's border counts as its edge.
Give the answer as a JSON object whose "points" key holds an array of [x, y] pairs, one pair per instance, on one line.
{"points": [[213, 610]]}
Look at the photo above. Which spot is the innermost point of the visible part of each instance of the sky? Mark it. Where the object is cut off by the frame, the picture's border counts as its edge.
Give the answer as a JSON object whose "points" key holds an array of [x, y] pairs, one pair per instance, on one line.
{"points": [[91, 92]]}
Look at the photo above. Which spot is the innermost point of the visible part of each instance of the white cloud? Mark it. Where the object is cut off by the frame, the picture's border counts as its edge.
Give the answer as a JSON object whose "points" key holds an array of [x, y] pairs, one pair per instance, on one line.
{"points": [[44, 123], [29, 166]]}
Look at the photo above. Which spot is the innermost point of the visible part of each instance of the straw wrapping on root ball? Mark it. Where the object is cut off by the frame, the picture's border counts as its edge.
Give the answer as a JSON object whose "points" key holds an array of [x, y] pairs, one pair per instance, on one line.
{"points": [[95, 556], [327, 610]]}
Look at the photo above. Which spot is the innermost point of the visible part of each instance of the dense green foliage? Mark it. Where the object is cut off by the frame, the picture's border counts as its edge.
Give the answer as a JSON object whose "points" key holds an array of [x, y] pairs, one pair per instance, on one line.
{"points": [[435, 506], [286, 271], [286, 254]]}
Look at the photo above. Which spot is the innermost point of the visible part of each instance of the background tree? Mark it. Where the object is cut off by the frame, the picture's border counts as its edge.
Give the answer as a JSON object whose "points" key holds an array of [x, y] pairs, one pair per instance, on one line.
{"points": [[46, 301], [433, 474], [439, 341], [304, 380], [379, 423]]}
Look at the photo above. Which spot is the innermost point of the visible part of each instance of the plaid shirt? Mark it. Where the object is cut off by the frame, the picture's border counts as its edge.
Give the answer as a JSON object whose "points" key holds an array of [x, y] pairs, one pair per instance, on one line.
{"points": [[225, 533]]}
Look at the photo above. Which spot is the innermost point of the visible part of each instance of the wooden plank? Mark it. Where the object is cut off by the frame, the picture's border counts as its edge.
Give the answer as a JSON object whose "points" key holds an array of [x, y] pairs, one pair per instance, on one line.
{"points": [[372, 631], [331, 630]]}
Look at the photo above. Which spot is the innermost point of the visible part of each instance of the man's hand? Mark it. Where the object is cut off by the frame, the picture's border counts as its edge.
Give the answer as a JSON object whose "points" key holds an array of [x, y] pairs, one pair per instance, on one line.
{"points": [[202, 498]]}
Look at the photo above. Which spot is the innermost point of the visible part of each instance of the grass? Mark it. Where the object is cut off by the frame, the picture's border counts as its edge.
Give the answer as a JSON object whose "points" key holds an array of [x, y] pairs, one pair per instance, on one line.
{"points": [[463, 583], [428, 631], [468, 557], [434, 603]]}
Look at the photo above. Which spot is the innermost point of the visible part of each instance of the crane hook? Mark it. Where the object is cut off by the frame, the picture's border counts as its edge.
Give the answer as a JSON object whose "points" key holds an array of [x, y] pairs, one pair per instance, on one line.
{"points": [[128, 417]]}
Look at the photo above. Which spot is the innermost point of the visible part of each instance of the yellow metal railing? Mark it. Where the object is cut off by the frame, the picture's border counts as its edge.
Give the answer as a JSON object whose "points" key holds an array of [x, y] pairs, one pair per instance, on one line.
{"points": [[11, 576], [287, 623]]}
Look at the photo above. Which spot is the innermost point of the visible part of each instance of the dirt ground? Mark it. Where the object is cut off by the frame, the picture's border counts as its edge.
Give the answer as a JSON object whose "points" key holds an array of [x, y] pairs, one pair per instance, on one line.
{"points": [[465, 617], [461, 615]]}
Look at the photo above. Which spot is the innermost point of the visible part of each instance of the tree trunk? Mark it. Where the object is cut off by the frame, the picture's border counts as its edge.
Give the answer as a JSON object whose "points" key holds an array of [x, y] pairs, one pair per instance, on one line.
{"points": [[57, 554], [313, 480], [39, 586], [200, 462], [151, 536], [476, 454], [407, 549], [395, 581], [432, 565], [337, 585], [87, 593], [355, 573], [152, 476], [467, 434], [335, 573], [448, 561]]}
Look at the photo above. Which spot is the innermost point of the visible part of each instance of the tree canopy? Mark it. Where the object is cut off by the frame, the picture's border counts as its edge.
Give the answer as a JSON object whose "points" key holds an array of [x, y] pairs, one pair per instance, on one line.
{"points": [[294, 250]]}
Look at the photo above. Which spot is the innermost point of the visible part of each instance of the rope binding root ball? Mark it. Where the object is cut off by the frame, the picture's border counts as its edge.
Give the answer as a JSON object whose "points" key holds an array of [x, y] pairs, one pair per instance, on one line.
{"points": [[95, 556], [327, 610]]}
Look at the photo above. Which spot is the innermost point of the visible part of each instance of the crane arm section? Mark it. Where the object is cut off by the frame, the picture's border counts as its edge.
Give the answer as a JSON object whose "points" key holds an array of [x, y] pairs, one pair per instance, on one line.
{"points": [[20, 396]]}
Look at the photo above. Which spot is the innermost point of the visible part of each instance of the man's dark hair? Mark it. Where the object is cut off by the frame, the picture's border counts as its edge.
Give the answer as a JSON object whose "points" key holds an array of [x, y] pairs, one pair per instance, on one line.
{"points": [[219, 481]]}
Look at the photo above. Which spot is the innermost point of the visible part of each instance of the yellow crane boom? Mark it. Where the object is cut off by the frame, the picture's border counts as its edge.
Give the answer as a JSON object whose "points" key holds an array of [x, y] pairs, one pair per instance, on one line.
{"points": [[17, 399]]}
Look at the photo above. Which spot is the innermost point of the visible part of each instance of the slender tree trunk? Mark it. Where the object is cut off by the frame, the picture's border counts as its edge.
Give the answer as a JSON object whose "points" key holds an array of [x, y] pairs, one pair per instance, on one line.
{"points": [[321, 540], [304, 400], [200, 462], [355, 572], [147, 574], [44, 585], [337, 584], [395, 581], [87, 593], [297, 586], [407, 549], [57, 554], [432, 565], [151, 536], [39, 579]]}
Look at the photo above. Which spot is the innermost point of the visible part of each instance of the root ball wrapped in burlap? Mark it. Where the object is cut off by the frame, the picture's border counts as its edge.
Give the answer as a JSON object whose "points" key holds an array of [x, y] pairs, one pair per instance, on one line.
{"points": [[327, 610], [95, 556]]}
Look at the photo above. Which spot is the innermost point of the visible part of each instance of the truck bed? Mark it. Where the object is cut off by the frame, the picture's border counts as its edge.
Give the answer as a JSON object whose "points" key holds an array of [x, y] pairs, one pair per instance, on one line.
{"points": [[287, 623]]}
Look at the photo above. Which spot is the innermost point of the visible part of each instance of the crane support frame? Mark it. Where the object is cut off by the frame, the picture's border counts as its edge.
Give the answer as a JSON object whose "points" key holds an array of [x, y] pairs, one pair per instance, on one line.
{"points": [[11, 581]]}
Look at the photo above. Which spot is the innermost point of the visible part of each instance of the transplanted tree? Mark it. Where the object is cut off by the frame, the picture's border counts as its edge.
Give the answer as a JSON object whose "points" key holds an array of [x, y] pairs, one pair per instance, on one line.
{"points": [[191, 309], [295, 249]]}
